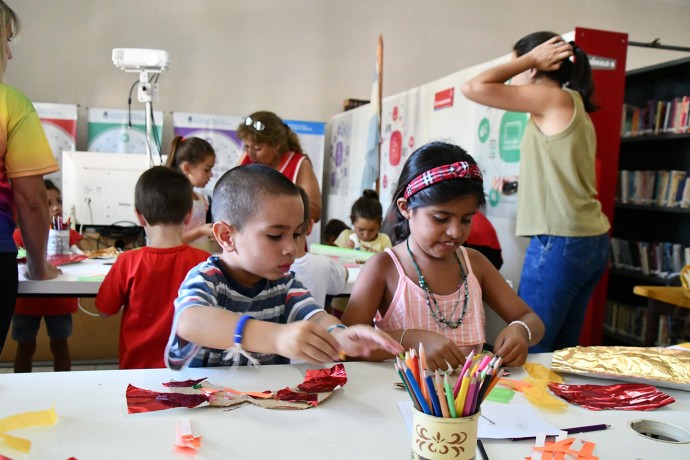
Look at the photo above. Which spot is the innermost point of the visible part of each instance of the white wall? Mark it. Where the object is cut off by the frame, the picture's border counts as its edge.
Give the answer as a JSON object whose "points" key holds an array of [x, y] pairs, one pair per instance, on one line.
{"points": [[299, 58]]}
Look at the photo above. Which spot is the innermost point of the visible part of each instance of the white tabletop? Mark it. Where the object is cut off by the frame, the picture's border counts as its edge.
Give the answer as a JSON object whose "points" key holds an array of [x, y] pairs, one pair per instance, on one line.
{"points": [[82, 279], [360, 421]]}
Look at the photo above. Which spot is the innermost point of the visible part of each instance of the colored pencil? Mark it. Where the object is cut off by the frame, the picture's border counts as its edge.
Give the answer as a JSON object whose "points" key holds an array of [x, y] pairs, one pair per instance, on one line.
{"points": [[399, 369], [469, 396], [465, 367], [417, 391], [436, 404], [422, 368], [462, 394], [449, 396], [443, 400]]}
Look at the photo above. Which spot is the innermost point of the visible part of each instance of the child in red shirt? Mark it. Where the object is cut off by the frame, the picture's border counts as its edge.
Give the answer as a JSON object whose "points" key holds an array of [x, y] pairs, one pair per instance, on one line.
{"points": [[144, 282], [55, 311]]}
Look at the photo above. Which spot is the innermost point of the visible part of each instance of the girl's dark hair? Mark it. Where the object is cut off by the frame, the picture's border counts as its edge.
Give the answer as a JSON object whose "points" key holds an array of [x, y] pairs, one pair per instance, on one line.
{"points": [[275, 132], [193, 150], [367, 207], [423, 159], [50, 185], [576, 75]]}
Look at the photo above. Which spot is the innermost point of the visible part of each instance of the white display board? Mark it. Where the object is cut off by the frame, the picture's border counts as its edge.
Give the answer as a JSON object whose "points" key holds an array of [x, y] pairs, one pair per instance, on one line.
{"points": [[100, 186]]}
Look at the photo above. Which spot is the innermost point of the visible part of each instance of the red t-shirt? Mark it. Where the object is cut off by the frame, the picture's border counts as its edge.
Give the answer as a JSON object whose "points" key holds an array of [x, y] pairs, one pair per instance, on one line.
{"points": [[145, 282], [46, 306]]}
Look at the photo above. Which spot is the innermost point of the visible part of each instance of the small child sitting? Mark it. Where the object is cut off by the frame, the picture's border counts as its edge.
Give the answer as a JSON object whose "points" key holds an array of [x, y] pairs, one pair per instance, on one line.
{"points": [[55, 311], [320, 274], [366, 216], [332, 230], [144, 282], [245, 302]]}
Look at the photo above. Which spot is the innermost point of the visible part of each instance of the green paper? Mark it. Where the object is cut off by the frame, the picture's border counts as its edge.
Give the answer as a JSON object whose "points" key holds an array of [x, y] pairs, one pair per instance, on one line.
{"points": [[91, 278], [502, 395]]}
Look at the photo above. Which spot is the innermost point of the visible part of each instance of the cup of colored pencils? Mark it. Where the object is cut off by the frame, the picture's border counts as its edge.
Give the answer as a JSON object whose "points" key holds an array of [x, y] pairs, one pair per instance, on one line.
{"points": [[58, 236], [446, 413]]}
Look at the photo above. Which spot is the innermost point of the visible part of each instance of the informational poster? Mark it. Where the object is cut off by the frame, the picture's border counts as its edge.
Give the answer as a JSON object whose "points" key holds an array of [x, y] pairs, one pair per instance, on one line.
{"points": [[220, 131], [60, 125], [400, 115], [497, 142], [339, 155], [122, 131]]}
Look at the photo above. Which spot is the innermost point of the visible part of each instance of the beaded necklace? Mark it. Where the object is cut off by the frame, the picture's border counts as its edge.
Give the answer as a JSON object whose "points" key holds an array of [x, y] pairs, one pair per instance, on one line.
{"points": [[431, 299]]}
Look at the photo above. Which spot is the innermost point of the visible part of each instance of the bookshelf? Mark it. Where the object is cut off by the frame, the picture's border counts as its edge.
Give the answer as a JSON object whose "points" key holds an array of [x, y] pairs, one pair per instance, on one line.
{"points": [[651, 224]]}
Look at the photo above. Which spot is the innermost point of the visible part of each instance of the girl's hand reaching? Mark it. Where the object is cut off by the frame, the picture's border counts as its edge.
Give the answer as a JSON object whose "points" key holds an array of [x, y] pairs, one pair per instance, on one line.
{"points": [[550, 54], [511, 344], [440, 351]]}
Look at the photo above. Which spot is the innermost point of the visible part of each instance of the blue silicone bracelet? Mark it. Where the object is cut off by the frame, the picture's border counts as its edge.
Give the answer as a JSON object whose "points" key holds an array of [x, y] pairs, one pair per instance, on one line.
{"points": [[239, 329], [335, 326]]}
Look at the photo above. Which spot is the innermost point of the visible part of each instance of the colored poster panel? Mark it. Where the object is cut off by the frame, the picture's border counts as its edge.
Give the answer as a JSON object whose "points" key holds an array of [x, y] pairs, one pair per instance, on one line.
{"points": [[497, 139], [60, 125], [121, 131], [399, 128], [338, 180], [312, 138], [220, 131]]}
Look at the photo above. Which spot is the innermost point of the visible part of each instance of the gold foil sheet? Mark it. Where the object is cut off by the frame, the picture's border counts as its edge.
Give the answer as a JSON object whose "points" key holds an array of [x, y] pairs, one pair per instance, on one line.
{"points": [[658, 366]]}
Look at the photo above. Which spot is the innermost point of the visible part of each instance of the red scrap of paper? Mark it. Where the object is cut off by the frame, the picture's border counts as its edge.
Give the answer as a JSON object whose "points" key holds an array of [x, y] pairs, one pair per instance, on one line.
{"points": [[184, 383], [288, 394], [324, 380], [622, 396], [140, 400]]}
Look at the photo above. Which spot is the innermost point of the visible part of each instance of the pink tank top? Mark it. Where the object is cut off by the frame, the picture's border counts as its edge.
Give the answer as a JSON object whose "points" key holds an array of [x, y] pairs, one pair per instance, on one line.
{"points": [[409, 310]]}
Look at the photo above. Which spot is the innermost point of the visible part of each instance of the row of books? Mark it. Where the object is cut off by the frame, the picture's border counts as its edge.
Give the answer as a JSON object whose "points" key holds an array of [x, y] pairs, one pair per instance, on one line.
{"points": [[649, 187], [626, 321], [662, 259], [655, 117]]}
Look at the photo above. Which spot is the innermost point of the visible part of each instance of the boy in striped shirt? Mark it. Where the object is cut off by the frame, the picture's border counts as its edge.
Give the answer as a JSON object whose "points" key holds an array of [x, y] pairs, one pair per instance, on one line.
{"points": [[244, 305]]}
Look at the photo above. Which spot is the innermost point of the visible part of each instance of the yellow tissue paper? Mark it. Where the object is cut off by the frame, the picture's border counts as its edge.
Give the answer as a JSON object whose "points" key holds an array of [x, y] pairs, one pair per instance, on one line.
{"points": [[537, 392], [24, 420]]}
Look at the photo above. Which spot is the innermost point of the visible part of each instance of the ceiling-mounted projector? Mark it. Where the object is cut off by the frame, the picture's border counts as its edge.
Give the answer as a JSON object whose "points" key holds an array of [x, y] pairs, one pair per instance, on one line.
{"points": [[138, 59]]}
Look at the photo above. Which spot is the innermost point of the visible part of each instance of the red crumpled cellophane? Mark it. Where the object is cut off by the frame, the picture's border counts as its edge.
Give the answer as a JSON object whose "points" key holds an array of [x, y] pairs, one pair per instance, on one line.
{"points": [[623, 396]]}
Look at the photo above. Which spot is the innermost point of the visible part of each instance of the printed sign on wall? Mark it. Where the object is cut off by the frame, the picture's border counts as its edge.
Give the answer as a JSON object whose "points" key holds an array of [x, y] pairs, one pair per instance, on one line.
{"points": [[60, 125]]}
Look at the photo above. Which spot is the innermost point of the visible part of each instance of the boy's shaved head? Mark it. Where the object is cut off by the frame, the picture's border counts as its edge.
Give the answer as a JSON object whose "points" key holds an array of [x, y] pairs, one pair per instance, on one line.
{"points": [[240, 191]]}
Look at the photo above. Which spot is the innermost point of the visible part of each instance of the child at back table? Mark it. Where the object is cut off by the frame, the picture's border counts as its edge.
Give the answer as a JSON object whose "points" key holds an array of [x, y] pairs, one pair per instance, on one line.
{"points": [[320, 274], [366, 217], [195, 158], [428, 289], [244, 306], [144, 282], [55, 311]]}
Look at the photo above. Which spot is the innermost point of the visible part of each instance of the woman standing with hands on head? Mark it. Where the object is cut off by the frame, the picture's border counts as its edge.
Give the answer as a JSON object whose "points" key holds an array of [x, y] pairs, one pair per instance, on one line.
{"points": [[25, 156], [558, 207], [270, 141]]}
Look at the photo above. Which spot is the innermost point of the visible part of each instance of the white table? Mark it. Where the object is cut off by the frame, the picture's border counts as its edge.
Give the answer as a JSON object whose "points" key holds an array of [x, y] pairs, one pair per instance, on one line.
{"points": [[82, 279], [359, 422]]}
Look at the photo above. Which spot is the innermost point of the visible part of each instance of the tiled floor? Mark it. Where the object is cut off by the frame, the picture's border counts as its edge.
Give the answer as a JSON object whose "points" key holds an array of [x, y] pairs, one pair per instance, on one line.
{"points": [[6, 368]]}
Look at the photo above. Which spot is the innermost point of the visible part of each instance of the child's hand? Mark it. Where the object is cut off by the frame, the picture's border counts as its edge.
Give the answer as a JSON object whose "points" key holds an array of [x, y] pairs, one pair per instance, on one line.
{"points": [[550, 54], [511, 345], [361, 340], [440, 351], [206, 230], [307, 341]]}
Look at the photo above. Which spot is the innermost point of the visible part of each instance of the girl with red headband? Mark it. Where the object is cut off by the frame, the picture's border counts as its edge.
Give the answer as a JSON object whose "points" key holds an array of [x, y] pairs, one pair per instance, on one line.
{"points": [[429, 289], [557, 205]]}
